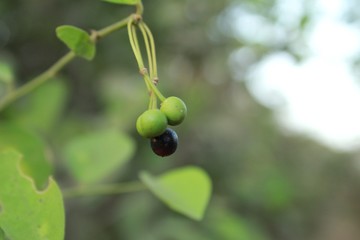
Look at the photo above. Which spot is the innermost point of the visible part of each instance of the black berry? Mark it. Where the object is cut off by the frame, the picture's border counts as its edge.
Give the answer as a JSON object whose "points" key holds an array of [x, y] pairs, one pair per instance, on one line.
{"points": [[165, 144]]}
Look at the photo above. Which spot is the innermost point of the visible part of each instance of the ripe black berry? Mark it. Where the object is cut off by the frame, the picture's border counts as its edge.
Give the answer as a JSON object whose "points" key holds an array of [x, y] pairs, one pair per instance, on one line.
{"points": [[165, 144]]}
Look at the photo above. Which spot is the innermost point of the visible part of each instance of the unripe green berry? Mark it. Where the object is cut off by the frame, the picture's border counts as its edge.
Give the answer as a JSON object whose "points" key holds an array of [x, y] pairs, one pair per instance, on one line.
{"points": [[151, 123], [174, 109]]}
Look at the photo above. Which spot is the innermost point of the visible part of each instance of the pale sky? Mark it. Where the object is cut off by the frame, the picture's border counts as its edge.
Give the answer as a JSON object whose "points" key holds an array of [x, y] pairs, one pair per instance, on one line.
{"points": [[320, 96]]}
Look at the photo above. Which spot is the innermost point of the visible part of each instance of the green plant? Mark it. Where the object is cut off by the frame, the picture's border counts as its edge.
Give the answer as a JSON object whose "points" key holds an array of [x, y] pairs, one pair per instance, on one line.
{"points": [[174, 109], [26, 184], [151, 123]]}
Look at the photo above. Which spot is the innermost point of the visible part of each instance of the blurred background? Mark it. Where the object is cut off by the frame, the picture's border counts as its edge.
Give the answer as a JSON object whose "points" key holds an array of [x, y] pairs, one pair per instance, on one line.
{"points": [[272, 90]]}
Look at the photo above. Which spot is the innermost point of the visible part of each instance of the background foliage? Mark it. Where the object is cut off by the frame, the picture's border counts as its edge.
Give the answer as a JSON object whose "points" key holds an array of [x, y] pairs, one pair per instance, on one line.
{"points": [[268, 183]]}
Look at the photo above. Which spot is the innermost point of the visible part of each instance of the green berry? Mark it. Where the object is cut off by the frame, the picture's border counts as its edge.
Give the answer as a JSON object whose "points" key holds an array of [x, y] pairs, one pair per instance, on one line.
{"points": [[151, 123], [174, 109]]}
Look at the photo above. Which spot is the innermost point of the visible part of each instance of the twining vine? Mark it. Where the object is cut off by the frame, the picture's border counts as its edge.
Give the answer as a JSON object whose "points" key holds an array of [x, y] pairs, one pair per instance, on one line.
{"points": [[152, 123], [186, 190]]}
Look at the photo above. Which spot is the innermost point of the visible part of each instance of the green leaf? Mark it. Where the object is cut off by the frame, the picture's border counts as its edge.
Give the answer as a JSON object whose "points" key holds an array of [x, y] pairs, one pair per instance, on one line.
{"points": [[2, 234], [77, 40], [127, 2], [223, 223], [26, 213], [185, 190], [6, 73], [35, 163], [42, 107], [94, 156]]}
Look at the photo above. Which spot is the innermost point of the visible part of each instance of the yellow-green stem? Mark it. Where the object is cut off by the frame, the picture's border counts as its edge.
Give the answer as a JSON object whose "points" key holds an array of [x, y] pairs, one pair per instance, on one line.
{"points": [[148, 50], [60, 64], [96, 190], [114, 27], [37, 81], [154, 88], [152, 43], [135, 45], [139, 8]]}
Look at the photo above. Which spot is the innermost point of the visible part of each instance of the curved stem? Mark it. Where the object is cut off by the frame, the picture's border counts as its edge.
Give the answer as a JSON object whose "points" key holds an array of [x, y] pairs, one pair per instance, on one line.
{"points": [[135, 44], [149, 51], [97, 190], [154, 88], [114, 27], [37, 81], [60, 64], [139, 8], [152, 43], [136, 49]]}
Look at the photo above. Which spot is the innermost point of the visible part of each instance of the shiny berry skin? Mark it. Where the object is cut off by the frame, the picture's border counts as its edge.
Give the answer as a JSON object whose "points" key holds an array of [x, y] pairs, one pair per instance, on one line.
{"points": [[165, 144], [151, 123], [174, 109]]}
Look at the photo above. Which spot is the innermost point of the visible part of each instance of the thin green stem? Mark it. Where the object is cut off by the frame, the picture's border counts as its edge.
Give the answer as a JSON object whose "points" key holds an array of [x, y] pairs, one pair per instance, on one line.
{"points": [[136, 49], [37, 81], [148, 50], [152, 43], [137, 53], [154, 88], [97, 190], [153, 100], [139, 8], [114, 27], [154, 76], [135, 44], [61, 63]]}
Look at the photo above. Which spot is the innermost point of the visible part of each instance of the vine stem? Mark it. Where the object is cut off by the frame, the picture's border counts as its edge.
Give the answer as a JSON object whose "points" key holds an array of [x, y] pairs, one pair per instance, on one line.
{"points": [[148, 51], [138, 56], [61, 63], [152, 44], [96, 190], [37, 81]]}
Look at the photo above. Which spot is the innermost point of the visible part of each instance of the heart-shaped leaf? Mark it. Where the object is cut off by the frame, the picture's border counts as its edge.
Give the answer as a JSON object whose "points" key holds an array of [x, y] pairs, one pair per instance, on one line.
{"points": [[26, 213], [6, 73], [186, 190], [94, 156], [34, 112], [127, 2], [77, 40], [35, 162]]}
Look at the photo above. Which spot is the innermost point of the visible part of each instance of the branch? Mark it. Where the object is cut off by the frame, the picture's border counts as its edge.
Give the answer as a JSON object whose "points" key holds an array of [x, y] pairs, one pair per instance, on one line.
{"points": [[96, 190], [62, 62]]}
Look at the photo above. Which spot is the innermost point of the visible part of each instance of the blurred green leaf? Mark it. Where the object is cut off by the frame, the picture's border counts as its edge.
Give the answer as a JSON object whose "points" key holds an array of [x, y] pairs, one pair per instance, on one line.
{"points": [[266, 187], [128, 2], [116, 95], [42, 107], [304, 21], [278, 191], [77, 40], [6, 73], [224, 224], [185, 190], [35, 163], [26, 213], [94, 156], [2, 234], [175, 228]]}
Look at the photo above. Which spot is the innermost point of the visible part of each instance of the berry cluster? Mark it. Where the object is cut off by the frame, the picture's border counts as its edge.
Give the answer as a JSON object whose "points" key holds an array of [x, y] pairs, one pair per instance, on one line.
{"points": [[153, 124]]}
